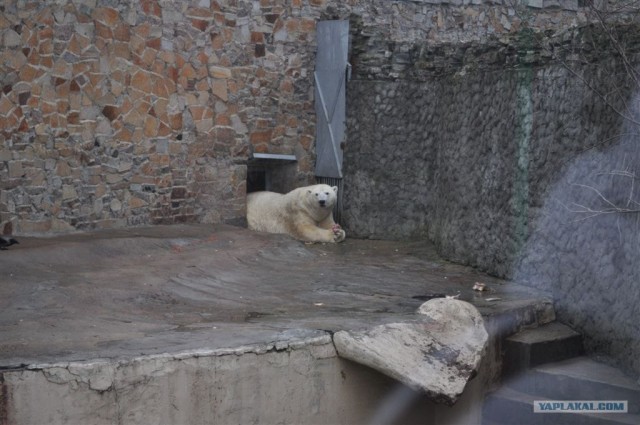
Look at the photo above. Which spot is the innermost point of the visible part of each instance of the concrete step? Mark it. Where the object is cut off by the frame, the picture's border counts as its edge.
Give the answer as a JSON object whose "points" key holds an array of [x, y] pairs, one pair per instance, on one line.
{"points": [[548, 343], [545, 364], [507, 406], [579, 378]]}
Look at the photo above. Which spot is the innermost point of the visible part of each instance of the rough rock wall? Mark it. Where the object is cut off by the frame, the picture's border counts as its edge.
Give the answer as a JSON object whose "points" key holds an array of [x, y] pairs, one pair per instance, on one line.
{"points": [[469, 147], [116, 113], [496, 151], [587, 254]]}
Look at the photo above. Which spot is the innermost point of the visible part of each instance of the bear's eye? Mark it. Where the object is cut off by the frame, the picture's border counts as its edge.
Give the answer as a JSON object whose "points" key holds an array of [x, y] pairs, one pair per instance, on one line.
{"points": [[316, 195]]}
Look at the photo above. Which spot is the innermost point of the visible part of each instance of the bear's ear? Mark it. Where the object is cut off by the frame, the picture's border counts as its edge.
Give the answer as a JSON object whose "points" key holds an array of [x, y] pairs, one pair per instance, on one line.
{"points": [[335, 188], [309, 190]]}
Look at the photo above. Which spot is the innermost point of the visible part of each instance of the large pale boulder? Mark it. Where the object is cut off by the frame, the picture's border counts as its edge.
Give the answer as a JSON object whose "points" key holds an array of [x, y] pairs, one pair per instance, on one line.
{"points": [[438, 352]]}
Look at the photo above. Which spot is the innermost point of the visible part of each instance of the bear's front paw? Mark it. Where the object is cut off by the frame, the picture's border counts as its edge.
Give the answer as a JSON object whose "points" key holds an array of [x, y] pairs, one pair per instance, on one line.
{"points": [[339, 235]]}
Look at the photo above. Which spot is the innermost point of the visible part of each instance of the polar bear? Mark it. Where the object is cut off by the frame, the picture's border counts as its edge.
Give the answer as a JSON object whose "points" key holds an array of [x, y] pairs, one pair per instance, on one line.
{"points": [[305, 213]]}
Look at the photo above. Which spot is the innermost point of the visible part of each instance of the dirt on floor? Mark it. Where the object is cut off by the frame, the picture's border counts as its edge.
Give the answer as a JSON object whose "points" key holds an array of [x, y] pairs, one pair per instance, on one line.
{"points": [[139, 291]]}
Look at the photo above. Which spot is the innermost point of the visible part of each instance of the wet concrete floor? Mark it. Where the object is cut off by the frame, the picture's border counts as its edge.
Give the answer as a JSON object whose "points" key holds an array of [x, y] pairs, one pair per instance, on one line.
{"points": [[132, 292]]}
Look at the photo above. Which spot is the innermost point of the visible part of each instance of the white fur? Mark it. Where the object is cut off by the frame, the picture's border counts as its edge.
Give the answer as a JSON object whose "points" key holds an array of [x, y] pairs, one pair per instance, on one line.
{"points": [[298, 213]]}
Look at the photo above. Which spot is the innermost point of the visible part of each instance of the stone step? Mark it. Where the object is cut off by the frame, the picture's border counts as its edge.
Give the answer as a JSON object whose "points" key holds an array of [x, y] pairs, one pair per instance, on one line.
{"points": [[548, 343], [508, 406], [579, 378]]}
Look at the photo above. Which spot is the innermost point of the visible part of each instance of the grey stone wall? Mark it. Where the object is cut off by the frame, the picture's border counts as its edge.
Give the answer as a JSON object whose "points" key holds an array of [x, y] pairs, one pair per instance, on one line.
{"points": [[587, 254], [487, 136], [479, 147]]}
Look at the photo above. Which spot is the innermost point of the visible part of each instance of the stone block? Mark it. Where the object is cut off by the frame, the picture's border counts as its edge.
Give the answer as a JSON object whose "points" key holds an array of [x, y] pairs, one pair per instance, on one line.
{"points": [[219, 72], [115, 205], [15, 169], [549, 343], [69, 193], [179, 193], [10, 39], [107, 16], [63, 169], [112, 178], [150, 126], [60, 226], [111, 112], [200, 24], [33, 227], [219, 89], [258, 137], [204, 125], [135, 202], [438, 355]]}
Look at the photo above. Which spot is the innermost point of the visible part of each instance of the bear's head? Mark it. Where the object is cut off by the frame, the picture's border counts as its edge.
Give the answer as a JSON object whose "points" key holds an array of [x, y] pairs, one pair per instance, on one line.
{"points": [[323, 196]]}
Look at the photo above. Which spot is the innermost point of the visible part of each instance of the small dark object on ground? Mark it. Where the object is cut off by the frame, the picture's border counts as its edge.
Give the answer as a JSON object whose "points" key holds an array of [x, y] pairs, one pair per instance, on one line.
{"points": [[6, 242], [428, 297]]}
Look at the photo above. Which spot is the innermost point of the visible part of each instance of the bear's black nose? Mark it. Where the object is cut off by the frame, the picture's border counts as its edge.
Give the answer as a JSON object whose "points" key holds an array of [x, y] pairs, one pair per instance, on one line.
{"points": [[322, 202]]}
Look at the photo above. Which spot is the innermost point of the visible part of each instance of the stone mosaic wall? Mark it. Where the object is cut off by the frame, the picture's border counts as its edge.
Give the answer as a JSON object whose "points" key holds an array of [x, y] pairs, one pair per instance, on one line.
{"points": [[117, 113]]}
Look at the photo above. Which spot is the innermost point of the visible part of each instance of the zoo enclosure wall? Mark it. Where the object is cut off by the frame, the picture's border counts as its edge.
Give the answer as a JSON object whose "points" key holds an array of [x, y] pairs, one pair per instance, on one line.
{"points": [[117, 114], [515, 153]]}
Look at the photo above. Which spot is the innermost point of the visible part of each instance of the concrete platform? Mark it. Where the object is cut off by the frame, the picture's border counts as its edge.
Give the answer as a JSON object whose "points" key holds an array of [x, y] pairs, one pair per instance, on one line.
{"points": [[133, 292], [217, 324]]}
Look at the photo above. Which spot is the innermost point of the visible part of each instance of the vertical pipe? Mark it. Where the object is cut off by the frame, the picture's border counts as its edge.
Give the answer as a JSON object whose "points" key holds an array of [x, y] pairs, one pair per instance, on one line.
{"points": [[524, 130]]}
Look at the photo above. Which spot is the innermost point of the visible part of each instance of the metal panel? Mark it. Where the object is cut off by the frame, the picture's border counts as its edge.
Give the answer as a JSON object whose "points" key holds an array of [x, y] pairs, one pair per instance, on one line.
{"points": [[338, 208], [330, 77], [272, 157]]}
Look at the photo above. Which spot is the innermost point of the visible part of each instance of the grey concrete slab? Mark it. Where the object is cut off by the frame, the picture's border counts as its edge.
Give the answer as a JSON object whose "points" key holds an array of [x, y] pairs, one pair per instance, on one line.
{"points": [[133, 292], [507, 406], [579, 378], [552, 332], [588, 370], [552, 342]]}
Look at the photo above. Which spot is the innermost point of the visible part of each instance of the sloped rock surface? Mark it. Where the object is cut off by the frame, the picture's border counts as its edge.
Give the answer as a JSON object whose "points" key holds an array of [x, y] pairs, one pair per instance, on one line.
{"points": [[438, 353]]}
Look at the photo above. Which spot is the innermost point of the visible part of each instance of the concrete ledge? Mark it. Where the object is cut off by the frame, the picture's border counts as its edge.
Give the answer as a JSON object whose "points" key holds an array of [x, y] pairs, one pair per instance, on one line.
{"points": [[186, 323]]}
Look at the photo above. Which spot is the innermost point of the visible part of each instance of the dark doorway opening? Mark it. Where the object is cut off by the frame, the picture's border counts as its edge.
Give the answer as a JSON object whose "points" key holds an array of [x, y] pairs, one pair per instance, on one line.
{"points": [[272, 172], [256, 179]]}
